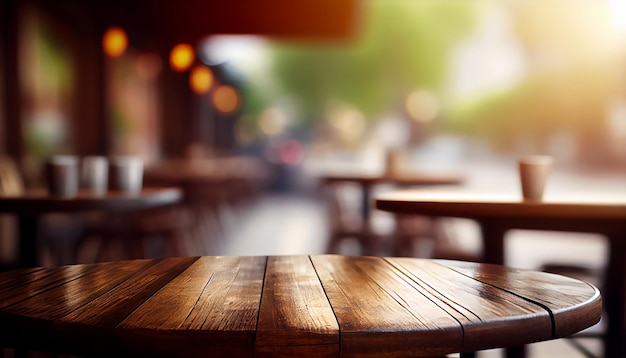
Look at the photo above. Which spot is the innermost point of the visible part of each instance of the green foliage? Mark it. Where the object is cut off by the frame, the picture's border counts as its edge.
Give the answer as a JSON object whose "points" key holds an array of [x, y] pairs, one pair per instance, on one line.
{"points": [[404, 45], [55, 64], [574, 100], [122, 123]]}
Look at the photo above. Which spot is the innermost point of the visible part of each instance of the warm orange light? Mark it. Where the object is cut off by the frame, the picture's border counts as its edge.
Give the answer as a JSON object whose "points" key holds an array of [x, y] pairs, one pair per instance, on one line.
{"points": [[114, 42], [225, 99], [181, 57], [200, 79]]}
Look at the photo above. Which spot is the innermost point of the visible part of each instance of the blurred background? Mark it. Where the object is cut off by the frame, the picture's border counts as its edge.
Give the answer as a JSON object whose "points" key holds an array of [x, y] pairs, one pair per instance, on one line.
{"points": [[298, 83], [308, 87]]}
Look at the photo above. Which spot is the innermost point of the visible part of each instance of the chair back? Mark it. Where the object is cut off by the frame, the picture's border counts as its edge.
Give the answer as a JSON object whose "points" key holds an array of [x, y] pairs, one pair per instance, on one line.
{"points": [[10, 179]]}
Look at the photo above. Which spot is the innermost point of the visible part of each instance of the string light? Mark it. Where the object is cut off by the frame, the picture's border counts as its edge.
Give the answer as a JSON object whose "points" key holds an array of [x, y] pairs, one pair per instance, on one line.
{"points": [[181, 57], [114, 42]]}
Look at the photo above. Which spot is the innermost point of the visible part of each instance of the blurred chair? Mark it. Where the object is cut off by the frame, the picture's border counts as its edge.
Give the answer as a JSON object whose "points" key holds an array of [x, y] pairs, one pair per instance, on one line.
{"points": [[343, 223], [423, 236], [10, 184], [157, 232], [10, 178], [411, 235], [57, 232]]}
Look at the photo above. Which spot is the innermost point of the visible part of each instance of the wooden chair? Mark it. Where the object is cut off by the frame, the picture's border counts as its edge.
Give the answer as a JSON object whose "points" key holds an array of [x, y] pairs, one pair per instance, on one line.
{"points": [[413, 230], [10, 184], [346, 223], [58, 231]]}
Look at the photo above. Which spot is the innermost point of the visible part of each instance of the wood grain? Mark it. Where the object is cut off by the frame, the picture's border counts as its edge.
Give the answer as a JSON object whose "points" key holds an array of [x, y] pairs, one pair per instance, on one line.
{"points": [[376, 308], [558, 294], [62, 300], [288, 306], [209, 309], [295, 311], [487, 312]]}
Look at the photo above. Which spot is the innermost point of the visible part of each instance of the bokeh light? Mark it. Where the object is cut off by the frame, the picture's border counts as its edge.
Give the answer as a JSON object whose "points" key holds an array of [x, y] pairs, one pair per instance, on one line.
{"points": [[225, 99], [348, 121], [114, 42], [181, 57], [200, 79], [422, 106], [273, 121], [290, 152]]}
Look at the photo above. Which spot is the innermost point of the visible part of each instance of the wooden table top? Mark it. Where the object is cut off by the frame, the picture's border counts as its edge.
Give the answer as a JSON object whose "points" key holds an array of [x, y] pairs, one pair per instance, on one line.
{"points": [[206, 170], [401, 178], [39, 201], [461, 203], [288, 305]]}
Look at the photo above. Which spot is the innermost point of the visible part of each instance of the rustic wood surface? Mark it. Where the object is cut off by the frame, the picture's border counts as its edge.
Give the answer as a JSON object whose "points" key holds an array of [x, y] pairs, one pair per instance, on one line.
{"points": [[288, 305]]}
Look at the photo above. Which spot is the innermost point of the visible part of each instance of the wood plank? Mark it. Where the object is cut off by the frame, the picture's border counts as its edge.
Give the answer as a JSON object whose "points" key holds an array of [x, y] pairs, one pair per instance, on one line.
{"points": [[205, 300], [488, 313], [559, 294], [223, 321], [295, 316], [39, 281], [90, 327], [169, 307], [64, 299], [377, 308], [231, 301], [13, 279], [109, 309]]}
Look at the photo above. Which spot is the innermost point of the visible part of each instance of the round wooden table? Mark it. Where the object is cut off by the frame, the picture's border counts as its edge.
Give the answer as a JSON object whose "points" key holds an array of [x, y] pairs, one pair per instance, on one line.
{"points": [[29, 206], [498, 213], [288, 306], [367, 181]]}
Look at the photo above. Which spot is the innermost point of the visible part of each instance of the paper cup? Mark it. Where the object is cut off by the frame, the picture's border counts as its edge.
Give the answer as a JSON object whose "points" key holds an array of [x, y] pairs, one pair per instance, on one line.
{"points": [[534, 171]]}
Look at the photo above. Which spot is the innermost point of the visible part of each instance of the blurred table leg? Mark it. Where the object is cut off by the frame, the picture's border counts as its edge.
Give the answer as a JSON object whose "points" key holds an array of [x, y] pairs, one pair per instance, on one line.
{"points": [[493, 247], [28, 231]]}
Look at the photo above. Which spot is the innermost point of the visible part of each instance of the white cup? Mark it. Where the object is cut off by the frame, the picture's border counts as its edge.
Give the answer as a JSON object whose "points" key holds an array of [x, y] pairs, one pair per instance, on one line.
{"points": [[94, 174], [62, 175], [126, 174], [534, 171], [394, 161]]}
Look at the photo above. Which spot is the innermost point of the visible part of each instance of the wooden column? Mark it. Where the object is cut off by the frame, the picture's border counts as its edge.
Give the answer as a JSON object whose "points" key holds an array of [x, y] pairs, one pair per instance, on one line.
{"points": [[12, 98]]}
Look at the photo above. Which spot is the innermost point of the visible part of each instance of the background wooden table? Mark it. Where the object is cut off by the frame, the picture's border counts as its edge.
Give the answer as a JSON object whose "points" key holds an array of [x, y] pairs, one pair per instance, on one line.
{"points": [[497, 214], [288, 305], [29, 206], [367, 181]]}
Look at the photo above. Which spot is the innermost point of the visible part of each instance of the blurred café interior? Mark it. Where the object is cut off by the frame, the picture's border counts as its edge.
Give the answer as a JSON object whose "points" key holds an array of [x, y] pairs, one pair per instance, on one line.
{"points": [[255, 108]]}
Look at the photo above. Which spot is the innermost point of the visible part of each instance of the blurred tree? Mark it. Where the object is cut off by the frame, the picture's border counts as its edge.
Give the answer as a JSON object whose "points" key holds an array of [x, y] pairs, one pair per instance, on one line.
{"points": [[570, 84], [404, 46]]}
